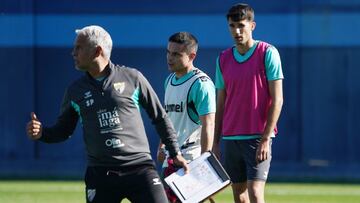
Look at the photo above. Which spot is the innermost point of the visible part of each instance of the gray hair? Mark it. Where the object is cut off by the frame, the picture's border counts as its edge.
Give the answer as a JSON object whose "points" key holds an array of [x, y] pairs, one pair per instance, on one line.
{"points": [[97, 36]]}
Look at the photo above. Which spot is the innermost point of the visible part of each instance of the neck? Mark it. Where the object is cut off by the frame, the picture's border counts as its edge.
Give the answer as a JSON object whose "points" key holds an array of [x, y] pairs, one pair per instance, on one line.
{"points": [[99, 69], [185, 71], [243, 48]]}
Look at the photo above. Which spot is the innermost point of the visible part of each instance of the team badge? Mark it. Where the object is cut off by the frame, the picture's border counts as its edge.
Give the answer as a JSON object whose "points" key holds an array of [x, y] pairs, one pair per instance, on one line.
{"points": [[119, 86], [91, 194]]}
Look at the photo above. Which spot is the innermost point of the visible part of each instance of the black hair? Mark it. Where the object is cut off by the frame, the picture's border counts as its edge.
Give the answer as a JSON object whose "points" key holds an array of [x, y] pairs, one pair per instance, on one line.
{"points": [[185, 38], [240, 12]]}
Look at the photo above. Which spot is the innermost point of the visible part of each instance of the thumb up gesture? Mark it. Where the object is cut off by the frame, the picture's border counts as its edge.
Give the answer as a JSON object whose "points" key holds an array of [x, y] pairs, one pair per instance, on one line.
{"points": [[34, 127]]}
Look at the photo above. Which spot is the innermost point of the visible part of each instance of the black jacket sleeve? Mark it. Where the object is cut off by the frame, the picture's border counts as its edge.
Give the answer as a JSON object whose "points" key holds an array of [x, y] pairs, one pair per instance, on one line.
{"points": [[151, 103], [65, 124]]}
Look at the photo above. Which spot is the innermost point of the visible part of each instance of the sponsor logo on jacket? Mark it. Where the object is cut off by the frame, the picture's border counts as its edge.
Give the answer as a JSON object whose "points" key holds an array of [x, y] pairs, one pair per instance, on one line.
{"points": [[109, 120]]}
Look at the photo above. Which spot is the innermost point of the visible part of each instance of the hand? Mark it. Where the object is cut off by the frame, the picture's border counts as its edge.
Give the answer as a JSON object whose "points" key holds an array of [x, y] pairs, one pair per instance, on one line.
{"points": [[180, 161], [263, 150], [34, 127], [161, 155], [216, 150]]}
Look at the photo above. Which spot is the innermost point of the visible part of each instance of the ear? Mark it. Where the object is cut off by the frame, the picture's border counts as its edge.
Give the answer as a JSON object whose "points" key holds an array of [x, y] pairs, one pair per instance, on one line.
{"points": [[192, 56], [253, 25], [98, 51]]}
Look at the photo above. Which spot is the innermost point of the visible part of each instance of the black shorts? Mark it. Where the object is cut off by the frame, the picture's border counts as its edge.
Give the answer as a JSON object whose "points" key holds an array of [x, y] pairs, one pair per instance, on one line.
{"points": [[111, 185], [240, 161]]}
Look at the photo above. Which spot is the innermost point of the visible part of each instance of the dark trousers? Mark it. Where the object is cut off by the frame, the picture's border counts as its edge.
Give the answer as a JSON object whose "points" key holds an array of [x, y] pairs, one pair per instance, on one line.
{"points": [[111, 185]]}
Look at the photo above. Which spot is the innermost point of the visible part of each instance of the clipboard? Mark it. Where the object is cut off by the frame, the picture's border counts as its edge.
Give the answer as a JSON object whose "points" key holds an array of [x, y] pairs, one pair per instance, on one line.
{"points": [[206, 177]]}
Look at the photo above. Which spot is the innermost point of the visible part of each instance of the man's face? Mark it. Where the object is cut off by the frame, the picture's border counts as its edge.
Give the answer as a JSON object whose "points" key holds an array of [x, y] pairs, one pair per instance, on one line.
{"points": [[177, 58], [241, 31], [82, 53]]}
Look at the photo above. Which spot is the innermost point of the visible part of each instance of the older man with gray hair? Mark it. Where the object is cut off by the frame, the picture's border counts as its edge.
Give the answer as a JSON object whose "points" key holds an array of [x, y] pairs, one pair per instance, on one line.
{"points": [[107, 102]]}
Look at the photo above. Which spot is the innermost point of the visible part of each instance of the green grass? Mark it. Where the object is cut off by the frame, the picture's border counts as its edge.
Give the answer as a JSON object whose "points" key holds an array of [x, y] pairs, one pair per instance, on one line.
{"points": [[73, 192]]}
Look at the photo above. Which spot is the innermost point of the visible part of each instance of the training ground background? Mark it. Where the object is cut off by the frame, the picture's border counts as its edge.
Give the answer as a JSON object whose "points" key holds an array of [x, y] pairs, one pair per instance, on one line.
{"points": [[318, 41]]}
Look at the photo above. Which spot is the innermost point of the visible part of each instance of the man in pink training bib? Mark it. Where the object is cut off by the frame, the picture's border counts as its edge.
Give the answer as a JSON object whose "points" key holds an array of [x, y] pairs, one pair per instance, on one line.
{"points": [[249, 101]]}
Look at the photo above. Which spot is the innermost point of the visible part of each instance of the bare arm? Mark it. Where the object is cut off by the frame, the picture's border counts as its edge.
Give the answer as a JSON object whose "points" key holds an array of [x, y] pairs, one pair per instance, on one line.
{"points": [[276, 93], [220, 103], [207, 131]]}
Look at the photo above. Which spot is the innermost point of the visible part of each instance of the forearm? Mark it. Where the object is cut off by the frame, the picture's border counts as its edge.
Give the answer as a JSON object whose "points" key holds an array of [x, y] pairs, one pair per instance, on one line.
{"points": [[218, 126], [275, 88], [165, 129], [54, 135], [220, 103], [167, 135], [62, 130], [207, 132], [273, 117]]}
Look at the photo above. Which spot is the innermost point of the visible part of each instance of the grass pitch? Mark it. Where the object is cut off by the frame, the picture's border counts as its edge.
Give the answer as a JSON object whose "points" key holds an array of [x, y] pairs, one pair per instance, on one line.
{"points": [[73, 192]]}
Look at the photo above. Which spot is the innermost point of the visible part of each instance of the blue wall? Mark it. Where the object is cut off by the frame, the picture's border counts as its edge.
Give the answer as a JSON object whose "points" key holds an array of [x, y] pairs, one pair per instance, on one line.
{"points": [[317, 40]]}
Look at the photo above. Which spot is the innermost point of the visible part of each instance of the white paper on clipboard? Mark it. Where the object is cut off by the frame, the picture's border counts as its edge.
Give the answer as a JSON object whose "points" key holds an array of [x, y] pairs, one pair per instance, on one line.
{"points": [[206, 177]]}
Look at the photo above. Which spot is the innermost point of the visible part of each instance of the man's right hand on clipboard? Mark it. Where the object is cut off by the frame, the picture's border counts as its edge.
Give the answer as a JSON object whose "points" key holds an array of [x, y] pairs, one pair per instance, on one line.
{"points": [[181, 162]]}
